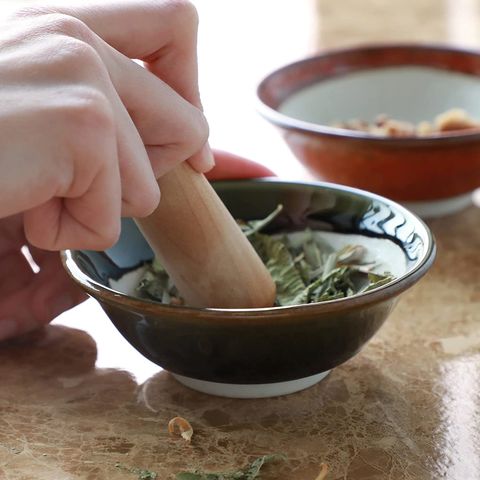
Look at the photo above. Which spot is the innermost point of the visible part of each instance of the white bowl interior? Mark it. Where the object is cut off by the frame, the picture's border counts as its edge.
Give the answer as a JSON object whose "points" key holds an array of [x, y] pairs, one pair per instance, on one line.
{"points": [[407, 93], [384, 254]]}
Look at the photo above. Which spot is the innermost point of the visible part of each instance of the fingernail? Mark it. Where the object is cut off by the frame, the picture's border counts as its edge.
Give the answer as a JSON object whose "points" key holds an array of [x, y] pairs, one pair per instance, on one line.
{"points": [[61, 304], [8, 328]]}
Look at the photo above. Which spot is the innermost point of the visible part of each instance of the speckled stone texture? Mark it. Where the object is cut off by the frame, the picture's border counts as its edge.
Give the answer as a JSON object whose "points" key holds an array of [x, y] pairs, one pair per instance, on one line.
{"points": [[75, 399], [407, 407]]}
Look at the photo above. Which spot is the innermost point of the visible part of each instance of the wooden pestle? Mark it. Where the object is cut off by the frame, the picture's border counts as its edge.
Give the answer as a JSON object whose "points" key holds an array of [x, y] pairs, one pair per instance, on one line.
{"points": [[202, 248]]}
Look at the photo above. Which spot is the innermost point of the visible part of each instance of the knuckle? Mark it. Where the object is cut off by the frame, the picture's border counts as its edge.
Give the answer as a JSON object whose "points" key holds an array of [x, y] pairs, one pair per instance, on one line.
{"points": [[145, 203], [37, 241], [65, 43], [28, 12], [192, 134], [107, 238], [46, 21], [73, 53], [58, 236], [59, 23], [185, 13], [193, 131], [199, 129], [89, 109]]}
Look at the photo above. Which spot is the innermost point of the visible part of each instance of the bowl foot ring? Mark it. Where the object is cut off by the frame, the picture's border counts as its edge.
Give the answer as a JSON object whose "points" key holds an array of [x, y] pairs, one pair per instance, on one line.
{"points": [[263, 390], [440, 208]]}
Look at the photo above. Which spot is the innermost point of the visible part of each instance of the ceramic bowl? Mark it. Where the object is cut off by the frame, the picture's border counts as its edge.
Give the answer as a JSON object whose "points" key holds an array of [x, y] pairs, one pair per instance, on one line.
{"points": [[267, 351], [434, 174]]}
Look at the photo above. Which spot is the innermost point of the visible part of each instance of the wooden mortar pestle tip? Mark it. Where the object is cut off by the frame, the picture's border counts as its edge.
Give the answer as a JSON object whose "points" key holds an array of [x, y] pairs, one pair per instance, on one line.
{"points": [[202, 248]]}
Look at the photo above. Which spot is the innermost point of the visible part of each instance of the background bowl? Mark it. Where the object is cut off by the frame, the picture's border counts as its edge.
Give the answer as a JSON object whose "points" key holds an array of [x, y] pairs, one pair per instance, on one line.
{"points": [[268, 351], [435, 174]]}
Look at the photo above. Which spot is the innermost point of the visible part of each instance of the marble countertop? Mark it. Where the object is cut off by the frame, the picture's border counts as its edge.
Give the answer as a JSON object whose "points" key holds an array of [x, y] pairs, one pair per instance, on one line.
{"points": [[76, 399], [77, 402]]}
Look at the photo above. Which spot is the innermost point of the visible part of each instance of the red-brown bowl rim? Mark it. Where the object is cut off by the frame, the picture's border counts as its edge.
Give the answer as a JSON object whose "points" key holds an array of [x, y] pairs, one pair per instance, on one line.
{"points": [[270, 112]]}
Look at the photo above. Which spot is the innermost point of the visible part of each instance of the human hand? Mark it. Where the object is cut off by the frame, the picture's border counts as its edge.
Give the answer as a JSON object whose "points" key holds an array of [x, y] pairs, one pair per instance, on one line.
{"points": [[85, 130], [84, 133], [30, 300], [229, 166]]}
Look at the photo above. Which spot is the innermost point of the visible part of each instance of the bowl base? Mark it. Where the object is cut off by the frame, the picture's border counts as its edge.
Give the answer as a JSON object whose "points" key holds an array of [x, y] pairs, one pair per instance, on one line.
{"points": [[259, 390], [439, 208]]}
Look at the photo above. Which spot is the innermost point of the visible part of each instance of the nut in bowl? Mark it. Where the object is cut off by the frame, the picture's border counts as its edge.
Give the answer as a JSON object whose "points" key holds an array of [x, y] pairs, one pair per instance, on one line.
{"points": [[401, 121], [264, 352]]}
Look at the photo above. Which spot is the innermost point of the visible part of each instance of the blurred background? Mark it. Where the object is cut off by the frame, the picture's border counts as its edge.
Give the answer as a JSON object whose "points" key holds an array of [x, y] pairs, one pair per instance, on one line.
{"points": [[242, 40]]}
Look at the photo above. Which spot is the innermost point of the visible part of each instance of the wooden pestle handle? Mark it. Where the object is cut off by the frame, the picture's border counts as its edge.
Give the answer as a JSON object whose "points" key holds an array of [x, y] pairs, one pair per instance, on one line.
{"points": [[202, 248]]}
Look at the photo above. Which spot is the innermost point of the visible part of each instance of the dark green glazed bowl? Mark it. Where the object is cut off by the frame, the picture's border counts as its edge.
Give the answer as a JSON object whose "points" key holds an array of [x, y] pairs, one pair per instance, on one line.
{"points": [[268, 351]]}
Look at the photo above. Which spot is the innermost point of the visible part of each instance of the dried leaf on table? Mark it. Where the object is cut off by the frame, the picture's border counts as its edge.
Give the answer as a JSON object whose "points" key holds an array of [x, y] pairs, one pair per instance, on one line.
{"points": [[250, 472], [182, 426], [323, 472]]}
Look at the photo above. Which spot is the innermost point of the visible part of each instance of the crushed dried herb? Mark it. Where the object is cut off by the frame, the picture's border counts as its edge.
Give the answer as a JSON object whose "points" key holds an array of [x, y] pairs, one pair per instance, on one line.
{"points": [[307, 273], [250, 472], [141, 473]]}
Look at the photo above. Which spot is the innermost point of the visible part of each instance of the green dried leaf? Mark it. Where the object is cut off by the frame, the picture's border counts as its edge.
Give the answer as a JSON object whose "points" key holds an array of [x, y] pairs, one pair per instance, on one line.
{"points": [[141, 473], [152, 285], [146, 475], [351, 254], [250, 472], [193, 476], [281, 265], [304, 269], [254, 226], [306, 273], [254, 469], [313, 253], [377, 280], [157, 267], [329, 266], [155, 284]]}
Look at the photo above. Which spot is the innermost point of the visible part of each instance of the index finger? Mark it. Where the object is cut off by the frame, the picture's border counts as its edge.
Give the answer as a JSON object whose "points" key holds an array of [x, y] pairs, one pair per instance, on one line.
{"points": [[161, 33]]}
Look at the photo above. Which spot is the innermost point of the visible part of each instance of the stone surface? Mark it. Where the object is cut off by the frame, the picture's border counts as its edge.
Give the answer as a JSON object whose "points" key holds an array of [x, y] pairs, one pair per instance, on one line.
{"points": [[77, 402], [74, 402]]}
